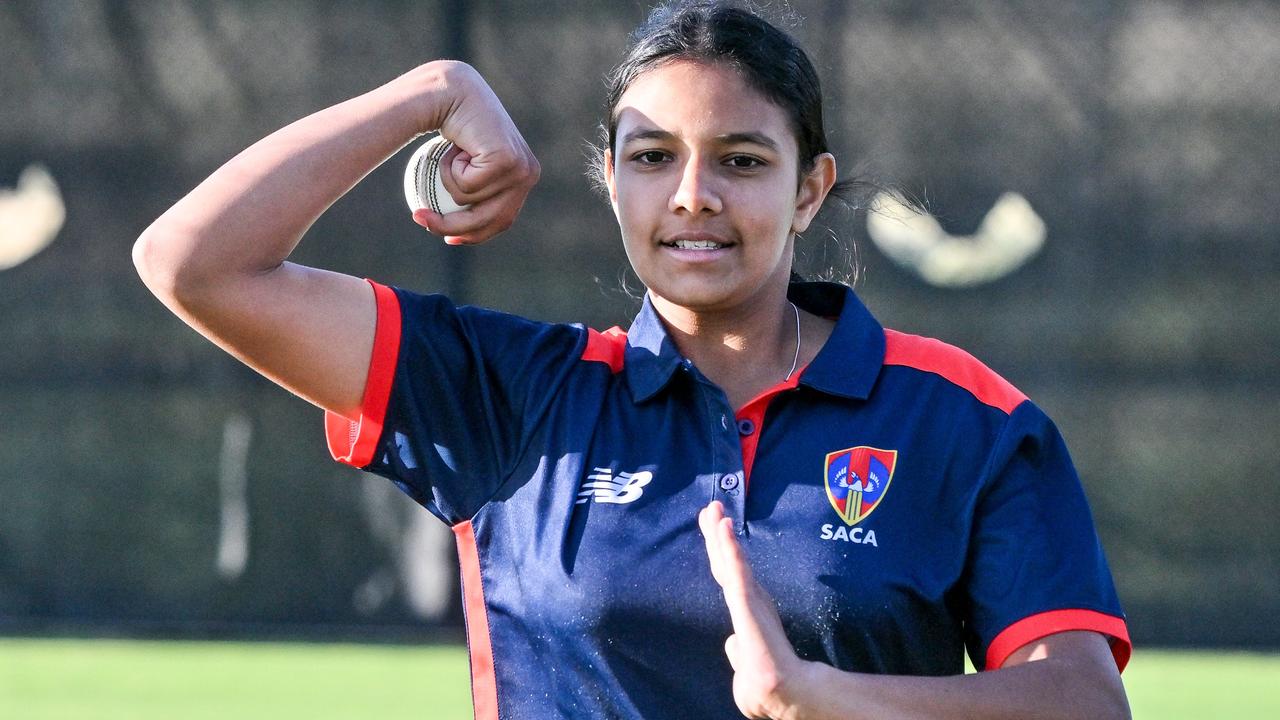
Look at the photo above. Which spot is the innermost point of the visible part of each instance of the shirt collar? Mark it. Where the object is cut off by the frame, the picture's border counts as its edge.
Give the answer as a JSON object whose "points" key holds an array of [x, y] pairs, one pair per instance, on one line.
{"points": [[846, 366], [850, 362], [651, 357]]}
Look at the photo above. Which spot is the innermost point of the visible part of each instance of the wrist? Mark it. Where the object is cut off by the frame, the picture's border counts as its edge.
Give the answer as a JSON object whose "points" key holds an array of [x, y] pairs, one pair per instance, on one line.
{"points": [[804, 683], [436, 89]]}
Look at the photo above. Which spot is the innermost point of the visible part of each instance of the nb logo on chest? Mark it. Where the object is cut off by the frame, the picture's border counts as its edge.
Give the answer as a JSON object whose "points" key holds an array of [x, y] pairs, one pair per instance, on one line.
{"points": [[603, 487]]}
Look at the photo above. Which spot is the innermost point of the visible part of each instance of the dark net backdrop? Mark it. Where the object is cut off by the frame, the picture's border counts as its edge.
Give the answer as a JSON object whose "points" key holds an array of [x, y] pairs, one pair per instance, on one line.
{"points": [[149, 482]]}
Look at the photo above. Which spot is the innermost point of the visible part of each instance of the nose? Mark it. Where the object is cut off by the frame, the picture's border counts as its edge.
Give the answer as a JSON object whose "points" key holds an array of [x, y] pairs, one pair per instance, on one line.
{"points": [[697, 193]]}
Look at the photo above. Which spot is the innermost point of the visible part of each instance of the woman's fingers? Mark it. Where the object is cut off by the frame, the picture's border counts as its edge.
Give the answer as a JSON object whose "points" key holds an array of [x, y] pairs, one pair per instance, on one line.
{"points": [[491, 209], [491, 169], [752, 610], [471, 179], [754, 616], [475, 224], [708, 520], [494, 189], [728, 565], [762, 658]]}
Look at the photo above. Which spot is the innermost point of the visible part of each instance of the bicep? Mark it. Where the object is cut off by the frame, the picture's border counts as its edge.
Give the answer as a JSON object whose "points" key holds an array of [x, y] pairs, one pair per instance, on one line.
{"points": [[1074, 645], [311, 331], [1086, 659]]}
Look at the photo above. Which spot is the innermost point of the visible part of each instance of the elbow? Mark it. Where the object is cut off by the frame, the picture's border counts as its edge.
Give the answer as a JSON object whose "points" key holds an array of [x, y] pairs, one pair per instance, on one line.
{"points": [[158, 276], [164, 269], [142, 258]]}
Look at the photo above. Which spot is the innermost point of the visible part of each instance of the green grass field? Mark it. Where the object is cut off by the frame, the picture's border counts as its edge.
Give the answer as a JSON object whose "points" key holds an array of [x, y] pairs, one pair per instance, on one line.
{"points": [[109, 680]]}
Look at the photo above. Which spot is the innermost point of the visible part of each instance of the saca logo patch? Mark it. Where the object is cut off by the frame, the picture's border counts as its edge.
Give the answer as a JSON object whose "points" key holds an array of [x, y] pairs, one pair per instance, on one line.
{"points": [[857, 479]]}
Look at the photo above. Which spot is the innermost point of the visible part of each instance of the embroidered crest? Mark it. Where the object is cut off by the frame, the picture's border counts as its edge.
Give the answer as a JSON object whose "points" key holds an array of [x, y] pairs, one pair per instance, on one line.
{"points": [[857, 479]]}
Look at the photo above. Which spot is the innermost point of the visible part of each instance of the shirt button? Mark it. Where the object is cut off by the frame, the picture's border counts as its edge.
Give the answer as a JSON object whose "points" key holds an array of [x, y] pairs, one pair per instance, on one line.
{"points": [[724, 421], [746, 427], [728, 482]]}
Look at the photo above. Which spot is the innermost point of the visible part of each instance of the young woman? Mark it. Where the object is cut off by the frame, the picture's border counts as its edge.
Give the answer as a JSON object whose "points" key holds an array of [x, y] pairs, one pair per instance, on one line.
{"points": [[871, 503]]}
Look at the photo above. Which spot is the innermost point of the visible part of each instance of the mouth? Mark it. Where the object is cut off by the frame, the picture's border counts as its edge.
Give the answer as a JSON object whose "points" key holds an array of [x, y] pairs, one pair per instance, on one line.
{"points": [[696, 241]]}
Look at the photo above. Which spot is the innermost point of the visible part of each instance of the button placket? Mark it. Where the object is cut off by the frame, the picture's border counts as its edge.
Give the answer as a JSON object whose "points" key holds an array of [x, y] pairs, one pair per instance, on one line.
{"points": [[727, 474]]}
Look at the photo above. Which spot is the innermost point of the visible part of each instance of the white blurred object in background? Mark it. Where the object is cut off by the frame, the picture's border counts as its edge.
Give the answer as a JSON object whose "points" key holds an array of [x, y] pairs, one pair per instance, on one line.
{"points": [[30, 216], [1010, 234], [233, 487]]}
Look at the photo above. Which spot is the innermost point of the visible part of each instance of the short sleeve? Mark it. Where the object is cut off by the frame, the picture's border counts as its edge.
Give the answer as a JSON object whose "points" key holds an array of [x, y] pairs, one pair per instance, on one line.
{"points": [[451, 398], [1035, 565]]}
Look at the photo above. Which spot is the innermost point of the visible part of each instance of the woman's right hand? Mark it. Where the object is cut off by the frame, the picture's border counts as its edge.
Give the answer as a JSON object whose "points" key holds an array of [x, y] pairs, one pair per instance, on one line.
{"points": [[491, 169]]}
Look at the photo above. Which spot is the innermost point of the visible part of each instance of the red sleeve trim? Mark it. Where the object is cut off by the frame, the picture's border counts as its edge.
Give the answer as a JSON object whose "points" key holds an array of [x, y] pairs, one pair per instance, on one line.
{"points": [[354, 441], [954, 364], [608, 347], [484, 683], [1035, 627]]}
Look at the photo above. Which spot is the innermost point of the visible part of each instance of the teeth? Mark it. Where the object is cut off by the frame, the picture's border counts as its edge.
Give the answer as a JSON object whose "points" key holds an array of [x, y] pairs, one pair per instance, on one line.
{"points": [[697, 245]]}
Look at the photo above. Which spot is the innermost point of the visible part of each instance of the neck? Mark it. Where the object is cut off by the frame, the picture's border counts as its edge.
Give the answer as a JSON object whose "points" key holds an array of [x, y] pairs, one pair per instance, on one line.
{"points": [[743, 350]]}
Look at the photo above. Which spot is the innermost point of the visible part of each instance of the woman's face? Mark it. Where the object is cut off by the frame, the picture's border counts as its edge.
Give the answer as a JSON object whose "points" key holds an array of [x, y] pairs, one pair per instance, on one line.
{"points": [[703, 180]]}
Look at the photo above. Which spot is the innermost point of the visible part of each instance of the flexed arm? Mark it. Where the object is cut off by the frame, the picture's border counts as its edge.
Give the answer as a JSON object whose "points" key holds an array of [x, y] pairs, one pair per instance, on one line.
{"points": [[217, 257]]}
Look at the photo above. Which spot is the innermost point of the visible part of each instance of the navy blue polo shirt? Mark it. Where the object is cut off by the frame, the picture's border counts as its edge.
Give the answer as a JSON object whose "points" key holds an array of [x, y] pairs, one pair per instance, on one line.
{"points": [[900, 501]]}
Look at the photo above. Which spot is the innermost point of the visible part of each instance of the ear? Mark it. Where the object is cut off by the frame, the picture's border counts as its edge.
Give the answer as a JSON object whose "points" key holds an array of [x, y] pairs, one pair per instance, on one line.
{"points": [[609, 180], [813, 190]]}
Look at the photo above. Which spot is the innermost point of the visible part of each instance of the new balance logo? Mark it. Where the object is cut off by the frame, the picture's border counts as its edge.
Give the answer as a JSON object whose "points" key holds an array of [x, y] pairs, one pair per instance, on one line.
{"points": [[603, 487]]}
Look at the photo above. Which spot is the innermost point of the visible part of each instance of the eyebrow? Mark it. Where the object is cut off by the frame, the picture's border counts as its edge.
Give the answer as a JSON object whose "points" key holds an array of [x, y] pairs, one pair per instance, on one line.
{"points": [[735, 138], [647, 135], [754, 138]]}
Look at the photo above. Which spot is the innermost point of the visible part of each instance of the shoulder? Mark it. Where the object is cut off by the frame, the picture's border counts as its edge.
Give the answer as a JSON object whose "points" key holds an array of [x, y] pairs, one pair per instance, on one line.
{"points": [[434, 328], [431, 310], [955, 366]]}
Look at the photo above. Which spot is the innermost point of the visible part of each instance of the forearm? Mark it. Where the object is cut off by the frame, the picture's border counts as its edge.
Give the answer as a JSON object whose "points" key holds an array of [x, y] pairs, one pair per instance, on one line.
{"points": [[249, 215], [1047, 689]]}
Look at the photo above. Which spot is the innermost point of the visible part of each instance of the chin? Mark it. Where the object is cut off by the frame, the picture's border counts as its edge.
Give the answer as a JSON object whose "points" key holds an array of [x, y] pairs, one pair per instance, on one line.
{"points": [[709, 289], [700, 296]]}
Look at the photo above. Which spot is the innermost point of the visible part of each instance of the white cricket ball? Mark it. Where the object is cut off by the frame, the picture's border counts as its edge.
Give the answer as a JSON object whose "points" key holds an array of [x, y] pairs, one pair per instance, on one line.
{"points": [[423, 187]]}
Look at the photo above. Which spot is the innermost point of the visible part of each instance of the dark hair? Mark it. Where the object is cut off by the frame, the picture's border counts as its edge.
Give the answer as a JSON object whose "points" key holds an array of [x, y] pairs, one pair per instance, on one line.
{"points": [[734, 34]]}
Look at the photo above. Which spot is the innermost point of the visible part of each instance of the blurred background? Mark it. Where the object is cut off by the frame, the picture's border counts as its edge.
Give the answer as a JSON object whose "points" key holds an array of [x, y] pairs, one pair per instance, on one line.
{"points": [[1100, 177]]}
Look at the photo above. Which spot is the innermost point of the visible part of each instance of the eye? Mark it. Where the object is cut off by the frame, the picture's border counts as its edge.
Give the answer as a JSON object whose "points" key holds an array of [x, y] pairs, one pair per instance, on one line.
{"points": [[650, 157], [744, 162]]}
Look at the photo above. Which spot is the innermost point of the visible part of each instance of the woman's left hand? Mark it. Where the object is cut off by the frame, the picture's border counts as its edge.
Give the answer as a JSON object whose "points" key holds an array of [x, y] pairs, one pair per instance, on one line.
{"points": [[768, 676]]}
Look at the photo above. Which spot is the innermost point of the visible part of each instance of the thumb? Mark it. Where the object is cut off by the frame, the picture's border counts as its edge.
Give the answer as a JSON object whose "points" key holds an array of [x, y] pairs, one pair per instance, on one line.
{"points": [[731, 650]]}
